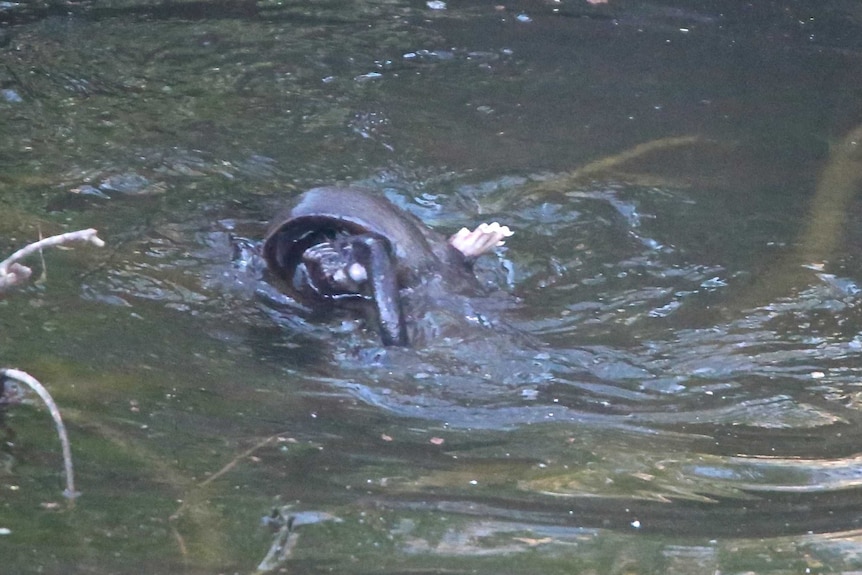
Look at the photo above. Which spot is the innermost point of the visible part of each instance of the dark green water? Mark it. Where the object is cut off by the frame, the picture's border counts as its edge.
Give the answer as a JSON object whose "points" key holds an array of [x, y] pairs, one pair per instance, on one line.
{"points": [[672, 381]]}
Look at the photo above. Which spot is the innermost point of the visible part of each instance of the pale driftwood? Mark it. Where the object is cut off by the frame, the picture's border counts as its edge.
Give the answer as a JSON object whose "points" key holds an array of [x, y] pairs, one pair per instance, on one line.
{"points": [[13, 273], [31, 382]]}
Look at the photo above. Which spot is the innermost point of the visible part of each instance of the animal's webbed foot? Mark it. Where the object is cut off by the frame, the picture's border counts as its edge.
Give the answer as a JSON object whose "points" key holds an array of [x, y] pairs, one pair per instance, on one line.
{"points": [[481, 240]]}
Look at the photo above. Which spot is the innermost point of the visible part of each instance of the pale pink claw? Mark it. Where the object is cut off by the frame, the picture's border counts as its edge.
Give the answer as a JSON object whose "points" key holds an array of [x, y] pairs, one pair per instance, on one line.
{"points": [[481, 240]]}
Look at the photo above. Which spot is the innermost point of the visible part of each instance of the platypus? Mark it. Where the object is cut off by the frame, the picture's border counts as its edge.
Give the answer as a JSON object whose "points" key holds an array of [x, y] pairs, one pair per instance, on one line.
{"points": [[353, 248]]}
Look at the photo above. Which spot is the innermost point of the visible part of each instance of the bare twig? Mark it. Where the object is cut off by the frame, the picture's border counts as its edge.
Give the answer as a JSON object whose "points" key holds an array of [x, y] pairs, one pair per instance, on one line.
{"points": [[33, 383], [12, 273]]}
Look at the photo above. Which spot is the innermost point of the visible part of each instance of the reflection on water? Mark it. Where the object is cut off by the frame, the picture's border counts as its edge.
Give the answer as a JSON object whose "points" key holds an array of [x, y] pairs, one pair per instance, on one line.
{"points": [[663, 380]]}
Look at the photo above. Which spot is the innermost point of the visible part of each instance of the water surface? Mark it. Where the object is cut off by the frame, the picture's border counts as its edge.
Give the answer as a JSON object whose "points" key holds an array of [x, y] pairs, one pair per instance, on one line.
{"points": [[664, 381]]}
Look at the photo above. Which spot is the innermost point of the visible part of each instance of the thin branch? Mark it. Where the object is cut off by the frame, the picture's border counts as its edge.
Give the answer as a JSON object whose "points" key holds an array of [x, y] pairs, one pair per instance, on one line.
{"points": [[33, 383], [12, 273]]}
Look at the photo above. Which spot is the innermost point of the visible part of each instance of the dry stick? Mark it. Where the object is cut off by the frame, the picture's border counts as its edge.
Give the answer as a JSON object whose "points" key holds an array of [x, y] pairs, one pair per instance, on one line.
{"points": [[13, 273], [33, 383]]}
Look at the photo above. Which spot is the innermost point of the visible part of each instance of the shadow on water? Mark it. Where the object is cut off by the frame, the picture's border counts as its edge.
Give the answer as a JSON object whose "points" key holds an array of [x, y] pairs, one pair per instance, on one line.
{"points": [[664, 377]]}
